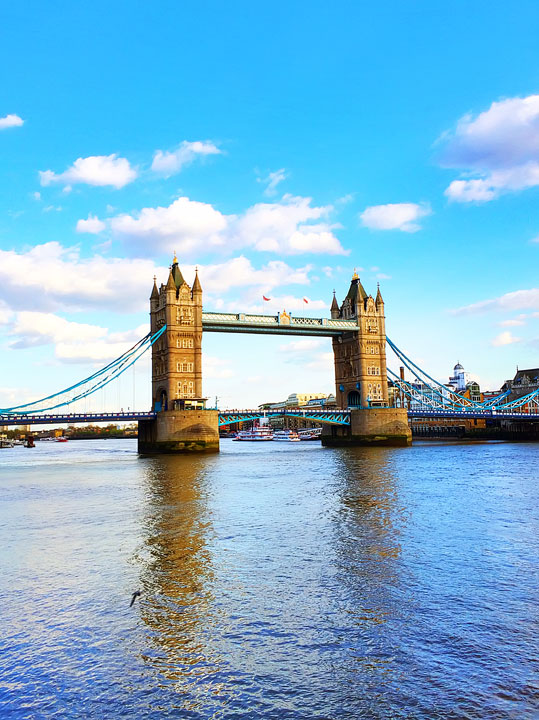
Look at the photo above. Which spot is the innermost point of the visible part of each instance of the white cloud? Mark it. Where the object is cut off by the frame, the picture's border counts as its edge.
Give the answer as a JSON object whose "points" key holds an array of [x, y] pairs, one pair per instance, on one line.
{"points": [[98, 170], [505, 338], [499, 148], [10, 121], [92, 225], [535, 239], [305, 345], [215, 367], [74, 342], [290, 227], [50, 277], [395, 216], [286, 227], [272, 180], [239, 272], [181, 227], [38, 328], [515, 322], [37, 196], [517, 300], [171, 162]]}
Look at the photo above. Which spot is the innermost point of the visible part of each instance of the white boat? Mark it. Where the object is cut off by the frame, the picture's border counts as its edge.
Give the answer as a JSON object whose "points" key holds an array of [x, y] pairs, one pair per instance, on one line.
{"points": [[258, 433], [4, 443], [286, 436], [312, 434]]}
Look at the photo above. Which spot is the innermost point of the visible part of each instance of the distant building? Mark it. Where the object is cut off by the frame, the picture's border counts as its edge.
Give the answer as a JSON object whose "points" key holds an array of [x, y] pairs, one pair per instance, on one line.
{"points": [[460, 378], [524, 382]]}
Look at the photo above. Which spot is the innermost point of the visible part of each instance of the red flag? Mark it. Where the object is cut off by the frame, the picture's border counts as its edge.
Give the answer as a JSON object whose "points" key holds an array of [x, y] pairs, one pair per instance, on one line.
{"points": [[305, 300], [266, 299]]}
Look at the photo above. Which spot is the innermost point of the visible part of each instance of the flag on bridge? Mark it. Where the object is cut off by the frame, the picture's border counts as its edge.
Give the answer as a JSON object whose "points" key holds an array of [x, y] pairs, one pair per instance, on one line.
{"points": [[265, 298], [305, 301]]}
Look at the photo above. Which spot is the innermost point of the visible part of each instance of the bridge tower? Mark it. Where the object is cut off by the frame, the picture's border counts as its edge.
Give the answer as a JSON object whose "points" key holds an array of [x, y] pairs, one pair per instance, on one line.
{"points": [[361, 375], [177, 355], [182, 423], [360, 357]]}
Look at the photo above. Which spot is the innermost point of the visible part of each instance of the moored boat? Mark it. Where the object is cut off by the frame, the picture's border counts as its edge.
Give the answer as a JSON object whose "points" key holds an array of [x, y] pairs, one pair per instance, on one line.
{"points": [[286, 436], [258, 433]]}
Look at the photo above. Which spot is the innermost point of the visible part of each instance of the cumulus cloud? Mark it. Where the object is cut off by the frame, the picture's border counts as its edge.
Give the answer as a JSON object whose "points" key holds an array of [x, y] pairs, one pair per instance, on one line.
{"points": [[169, 163], [272, 180], [98, 170], [38, 328], [395, 216], [92, 225], [292, 226], [10, 121], [517, 300], [505, 338], [50, 277], [73, 342], [498, 151], [181, 226]]}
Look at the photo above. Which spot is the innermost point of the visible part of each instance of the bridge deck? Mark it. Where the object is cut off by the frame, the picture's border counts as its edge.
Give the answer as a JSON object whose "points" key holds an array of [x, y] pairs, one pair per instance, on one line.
{"points": [[275, 324], [228, 417]]}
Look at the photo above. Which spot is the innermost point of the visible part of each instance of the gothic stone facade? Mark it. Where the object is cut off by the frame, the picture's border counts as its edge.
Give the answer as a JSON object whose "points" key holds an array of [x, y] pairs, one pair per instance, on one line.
{"points": [[177, 355], [360, 357]]}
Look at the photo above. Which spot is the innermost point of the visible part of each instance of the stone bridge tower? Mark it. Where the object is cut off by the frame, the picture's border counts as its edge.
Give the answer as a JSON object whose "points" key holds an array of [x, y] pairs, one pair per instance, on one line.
{"points": [[181, 424], [177, 355], [360, 357]]}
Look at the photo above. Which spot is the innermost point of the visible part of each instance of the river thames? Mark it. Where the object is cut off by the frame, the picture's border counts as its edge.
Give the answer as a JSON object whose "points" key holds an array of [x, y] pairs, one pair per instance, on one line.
{"points": [[277, 581]]}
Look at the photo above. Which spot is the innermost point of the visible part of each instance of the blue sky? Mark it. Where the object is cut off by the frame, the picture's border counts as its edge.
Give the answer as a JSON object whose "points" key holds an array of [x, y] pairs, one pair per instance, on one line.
{"points": [[277, 148]]}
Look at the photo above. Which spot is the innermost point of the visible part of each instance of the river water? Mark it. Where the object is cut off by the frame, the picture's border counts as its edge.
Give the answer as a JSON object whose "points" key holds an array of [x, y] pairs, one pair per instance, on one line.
{"points": [[277, 581]]}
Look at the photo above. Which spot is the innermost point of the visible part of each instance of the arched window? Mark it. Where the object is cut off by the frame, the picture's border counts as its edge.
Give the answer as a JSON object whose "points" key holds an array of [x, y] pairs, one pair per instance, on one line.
{"points": [[354, 399]]}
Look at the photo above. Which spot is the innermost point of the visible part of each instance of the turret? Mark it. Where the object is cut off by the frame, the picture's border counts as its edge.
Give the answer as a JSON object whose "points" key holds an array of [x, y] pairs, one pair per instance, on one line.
{"points": [[335, 312], [176, 273], [197, 287], [379, 300]]}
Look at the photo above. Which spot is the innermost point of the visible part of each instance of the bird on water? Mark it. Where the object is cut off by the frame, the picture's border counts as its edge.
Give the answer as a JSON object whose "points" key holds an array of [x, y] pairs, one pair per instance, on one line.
{"points": [[136, 594]]}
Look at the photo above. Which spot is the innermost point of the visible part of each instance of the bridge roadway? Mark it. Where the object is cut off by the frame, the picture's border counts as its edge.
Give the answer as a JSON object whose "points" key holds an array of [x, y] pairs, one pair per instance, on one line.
{"points": [[281, 324], [228, 417]]}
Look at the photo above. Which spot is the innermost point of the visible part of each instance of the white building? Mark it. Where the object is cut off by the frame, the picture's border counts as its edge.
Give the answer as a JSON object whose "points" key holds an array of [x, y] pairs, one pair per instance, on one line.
{"points": [[460, 378]]}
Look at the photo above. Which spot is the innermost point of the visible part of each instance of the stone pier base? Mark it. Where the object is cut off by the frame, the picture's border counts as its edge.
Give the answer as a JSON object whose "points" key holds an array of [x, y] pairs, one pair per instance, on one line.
{"points": [[180, 431], [372, 426]]}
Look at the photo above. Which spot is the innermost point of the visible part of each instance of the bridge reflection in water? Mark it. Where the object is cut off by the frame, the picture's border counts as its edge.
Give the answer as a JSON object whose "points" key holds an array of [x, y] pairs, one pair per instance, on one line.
{"points": [[176, 576], [255, 574]]}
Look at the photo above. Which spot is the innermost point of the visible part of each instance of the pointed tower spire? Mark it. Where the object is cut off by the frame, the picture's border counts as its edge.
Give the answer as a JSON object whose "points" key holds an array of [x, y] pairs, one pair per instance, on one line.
{"points": [[379, 300], [197, 287], [335, 311], [171, 285], [176, 272], [155, 293]]}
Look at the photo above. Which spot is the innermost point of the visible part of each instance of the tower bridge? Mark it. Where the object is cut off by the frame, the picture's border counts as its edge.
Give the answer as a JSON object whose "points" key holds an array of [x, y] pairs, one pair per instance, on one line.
{"points": [[366, 413]]}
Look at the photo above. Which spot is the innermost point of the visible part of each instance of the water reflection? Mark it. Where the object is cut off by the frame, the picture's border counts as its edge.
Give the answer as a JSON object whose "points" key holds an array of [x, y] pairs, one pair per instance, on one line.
{"points": [[368, 558], [176, 574]]}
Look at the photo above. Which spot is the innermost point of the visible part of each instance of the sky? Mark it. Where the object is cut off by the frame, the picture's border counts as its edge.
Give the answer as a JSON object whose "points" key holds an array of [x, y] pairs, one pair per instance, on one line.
{"points": [[277, 147]]}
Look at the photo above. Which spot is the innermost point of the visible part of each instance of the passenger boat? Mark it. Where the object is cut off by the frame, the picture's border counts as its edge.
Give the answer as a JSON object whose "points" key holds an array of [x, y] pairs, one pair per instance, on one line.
{"points": [[258, 433], [313, 434], [5, 443], [286, 436]]}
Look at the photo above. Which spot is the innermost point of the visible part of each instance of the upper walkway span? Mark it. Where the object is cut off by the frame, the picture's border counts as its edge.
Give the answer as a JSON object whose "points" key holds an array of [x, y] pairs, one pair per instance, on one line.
{"points": [[281, 324]]}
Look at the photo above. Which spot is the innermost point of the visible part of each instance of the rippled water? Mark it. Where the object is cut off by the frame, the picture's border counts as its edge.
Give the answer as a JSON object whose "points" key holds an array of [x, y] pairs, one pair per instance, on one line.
{"points": [[283, 581]]}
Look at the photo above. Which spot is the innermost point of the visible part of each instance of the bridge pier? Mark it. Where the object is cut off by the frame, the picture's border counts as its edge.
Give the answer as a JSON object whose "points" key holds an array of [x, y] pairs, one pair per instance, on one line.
{"points": [[180, 431], [370, 426]]}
